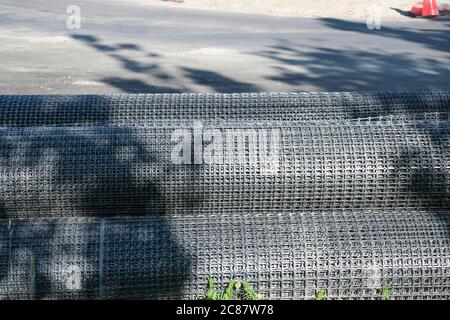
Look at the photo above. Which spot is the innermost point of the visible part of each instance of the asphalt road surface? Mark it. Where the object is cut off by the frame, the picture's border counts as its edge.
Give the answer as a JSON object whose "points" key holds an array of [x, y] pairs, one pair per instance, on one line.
{"points": [[142, 48]]}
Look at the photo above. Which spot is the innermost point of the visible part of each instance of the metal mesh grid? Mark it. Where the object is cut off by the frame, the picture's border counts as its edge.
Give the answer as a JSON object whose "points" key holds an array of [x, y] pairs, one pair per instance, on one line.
{"points": [[92, 205], [113, 170], [286, 256], [20, 111]]}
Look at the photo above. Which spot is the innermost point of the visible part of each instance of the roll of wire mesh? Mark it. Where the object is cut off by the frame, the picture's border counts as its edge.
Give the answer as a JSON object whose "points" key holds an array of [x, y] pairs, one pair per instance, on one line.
{"points": [[146, 196], [142, 109]]}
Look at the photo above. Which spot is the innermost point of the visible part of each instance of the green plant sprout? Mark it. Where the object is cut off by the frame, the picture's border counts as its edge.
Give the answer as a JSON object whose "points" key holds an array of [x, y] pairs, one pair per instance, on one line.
{"points": [[235, 290], [385, 293], [321, 295], [249, 292], [211, 292], [32, 275], [228, 294]]}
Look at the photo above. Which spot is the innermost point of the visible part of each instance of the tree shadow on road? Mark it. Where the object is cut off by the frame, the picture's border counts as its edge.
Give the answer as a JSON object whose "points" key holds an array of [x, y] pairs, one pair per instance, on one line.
{"points": [[436, 39], [130, 57], [352, 69]]}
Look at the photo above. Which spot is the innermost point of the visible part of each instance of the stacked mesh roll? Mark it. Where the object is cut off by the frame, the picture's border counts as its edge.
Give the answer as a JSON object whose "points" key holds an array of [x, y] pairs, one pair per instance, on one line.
{"points": [[346, 193]]}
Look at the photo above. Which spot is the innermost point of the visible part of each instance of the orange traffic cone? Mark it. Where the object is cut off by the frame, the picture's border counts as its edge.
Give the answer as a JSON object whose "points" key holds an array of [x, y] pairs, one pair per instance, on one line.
{"points": [[417, 9], [430, 8]]}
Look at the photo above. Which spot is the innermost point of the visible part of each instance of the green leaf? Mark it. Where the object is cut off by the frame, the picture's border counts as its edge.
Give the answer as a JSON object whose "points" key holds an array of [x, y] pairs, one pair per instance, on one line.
{"points": [[386, 293], [320, 295], [211, 292], [32, 276], [249, 292], [234, 290], [228, 295]]}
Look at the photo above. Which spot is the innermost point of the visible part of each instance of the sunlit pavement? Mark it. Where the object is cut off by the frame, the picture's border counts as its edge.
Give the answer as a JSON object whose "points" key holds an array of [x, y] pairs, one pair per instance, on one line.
{"points": [[132, 48]]}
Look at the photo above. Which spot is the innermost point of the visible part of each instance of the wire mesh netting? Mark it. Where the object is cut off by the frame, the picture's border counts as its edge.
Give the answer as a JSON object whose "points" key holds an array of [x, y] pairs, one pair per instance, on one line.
{"points": [[142, 109], [348, 254], [145, 196], [111, 170]]}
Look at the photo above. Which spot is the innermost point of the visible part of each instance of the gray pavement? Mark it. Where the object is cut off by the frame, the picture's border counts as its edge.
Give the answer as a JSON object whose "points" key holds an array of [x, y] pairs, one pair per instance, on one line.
{"points": [[141, 48]]}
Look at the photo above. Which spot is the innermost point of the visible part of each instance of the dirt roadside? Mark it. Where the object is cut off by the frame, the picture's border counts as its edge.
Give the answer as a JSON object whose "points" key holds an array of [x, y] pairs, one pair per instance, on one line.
{"points": [[348, 9]]}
